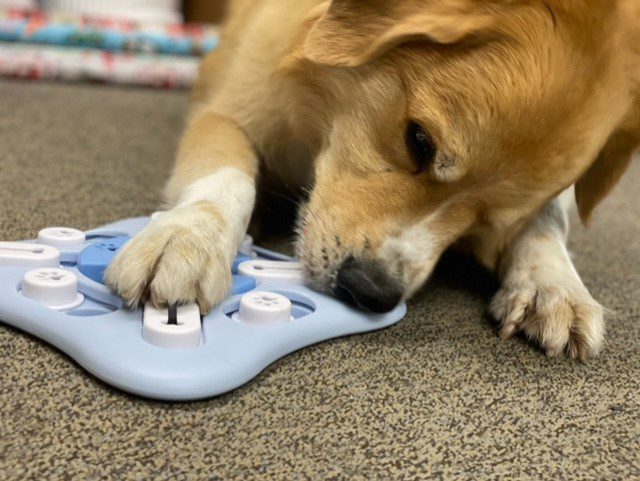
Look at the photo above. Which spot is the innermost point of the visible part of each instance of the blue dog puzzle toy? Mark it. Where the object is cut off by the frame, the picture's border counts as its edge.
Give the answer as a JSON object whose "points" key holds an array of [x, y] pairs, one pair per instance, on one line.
{"points": [[53, 288]]}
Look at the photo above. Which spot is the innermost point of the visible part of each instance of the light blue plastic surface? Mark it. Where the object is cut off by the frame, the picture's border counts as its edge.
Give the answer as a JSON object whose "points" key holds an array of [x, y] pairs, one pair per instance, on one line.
{"points": [[106, 339]]}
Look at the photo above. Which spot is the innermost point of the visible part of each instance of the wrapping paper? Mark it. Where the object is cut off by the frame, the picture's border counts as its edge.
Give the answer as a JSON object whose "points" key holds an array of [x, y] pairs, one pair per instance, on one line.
{"points": [[63, 63], [147, 10], [106, 33]]}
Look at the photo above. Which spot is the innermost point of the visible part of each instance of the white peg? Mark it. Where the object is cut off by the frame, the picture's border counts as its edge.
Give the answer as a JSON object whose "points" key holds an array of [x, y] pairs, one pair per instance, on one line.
{"points": [[22, 254], [246, 245], [63, 238], [55, 288], [175, 328], [278, 271], [263, 308]]}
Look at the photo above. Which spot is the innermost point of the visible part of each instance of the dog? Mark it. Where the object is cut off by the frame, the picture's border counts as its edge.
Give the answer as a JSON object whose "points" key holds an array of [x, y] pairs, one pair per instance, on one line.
{"points": [[412, 126]]}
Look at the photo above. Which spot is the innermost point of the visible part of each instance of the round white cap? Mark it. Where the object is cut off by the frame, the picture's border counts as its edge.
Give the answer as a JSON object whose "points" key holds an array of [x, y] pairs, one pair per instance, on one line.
{"points": [[263, 308], [62, 238], [55, 288], [246, 245]]}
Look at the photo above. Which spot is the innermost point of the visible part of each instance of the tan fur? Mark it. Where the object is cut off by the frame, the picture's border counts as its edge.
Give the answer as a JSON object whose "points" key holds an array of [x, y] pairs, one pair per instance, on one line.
{"points": [[523, 98], [198, 155]]}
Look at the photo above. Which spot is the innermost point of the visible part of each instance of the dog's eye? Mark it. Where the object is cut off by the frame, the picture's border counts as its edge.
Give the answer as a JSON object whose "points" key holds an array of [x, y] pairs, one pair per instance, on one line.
{"points": [[421, 146]]}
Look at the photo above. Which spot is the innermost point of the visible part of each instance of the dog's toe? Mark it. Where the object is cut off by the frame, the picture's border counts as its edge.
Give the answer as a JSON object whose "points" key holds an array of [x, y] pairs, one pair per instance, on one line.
{"points": [[189, 270], [168, 265], [563, 319]]}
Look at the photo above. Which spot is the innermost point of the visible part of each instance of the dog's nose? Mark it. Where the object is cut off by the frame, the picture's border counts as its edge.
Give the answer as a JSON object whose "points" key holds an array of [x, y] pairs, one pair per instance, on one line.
{"points": [[367, 285]]}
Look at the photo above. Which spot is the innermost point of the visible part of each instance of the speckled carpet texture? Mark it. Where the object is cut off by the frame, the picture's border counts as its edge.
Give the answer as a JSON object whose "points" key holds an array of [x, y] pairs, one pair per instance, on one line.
{"points": [[438, 396]]}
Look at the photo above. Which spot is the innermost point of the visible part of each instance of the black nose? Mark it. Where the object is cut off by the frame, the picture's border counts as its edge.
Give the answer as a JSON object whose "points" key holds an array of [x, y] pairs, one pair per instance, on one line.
{"points": [[367, 285]]}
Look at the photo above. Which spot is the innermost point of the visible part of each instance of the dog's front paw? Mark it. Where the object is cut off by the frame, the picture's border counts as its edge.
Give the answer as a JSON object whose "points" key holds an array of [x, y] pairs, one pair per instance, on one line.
{"points": [[180, 258], [562, 318]]}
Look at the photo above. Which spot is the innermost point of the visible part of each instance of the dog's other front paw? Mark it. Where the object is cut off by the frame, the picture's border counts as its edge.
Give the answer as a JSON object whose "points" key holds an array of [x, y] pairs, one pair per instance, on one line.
{"points": [[562, 318], [180, 258]]}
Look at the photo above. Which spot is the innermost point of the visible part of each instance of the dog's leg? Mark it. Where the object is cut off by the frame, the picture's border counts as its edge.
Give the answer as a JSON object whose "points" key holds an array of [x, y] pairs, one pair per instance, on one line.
{"points": [[542, 294], [185, 255]]}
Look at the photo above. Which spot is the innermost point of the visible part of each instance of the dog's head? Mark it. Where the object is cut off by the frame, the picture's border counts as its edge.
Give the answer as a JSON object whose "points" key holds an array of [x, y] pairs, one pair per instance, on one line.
{"points": [[433, 120]]}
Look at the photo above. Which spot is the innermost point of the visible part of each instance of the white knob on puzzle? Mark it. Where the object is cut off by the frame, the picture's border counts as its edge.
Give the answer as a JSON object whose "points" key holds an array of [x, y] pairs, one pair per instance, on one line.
{"points": [[176, 328], [54, 288], [22, 254], [246, 245], [263, 308], [62, 238], [157, 214], [279, 271]]}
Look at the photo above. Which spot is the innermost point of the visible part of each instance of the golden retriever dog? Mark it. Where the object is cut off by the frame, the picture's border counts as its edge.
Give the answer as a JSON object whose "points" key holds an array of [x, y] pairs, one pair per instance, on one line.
{"points": [[413, 125]]}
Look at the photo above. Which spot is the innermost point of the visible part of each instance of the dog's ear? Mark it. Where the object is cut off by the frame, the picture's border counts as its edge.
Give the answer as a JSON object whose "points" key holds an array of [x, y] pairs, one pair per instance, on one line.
{"points": [[353, 32], [605, 172]]}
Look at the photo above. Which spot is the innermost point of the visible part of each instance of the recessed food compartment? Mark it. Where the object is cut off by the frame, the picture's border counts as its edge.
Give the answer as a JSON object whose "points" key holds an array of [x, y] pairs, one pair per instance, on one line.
{"points": [[96, 257], [106, 235]]}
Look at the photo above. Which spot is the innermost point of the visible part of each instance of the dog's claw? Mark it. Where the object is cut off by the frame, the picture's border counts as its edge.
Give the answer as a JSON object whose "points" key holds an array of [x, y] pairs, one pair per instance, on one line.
{"points": [[564, 320], [507, 331]]}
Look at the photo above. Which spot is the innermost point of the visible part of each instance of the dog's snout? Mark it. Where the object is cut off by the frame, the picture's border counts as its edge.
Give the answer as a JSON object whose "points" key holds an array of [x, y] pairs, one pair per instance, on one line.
{"points": [[367, 285]]}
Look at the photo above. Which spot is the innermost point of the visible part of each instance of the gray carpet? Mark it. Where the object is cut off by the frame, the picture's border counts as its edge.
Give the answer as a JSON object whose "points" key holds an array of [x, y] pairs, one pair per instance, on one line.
{"points": [[438, 396]]}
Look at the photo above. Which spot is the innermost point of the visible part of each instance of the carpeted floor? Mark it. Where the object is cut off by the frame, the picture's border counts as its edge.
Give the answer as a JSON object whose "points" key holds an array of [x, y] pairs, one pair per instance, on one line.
{"points": [[439, 395]]}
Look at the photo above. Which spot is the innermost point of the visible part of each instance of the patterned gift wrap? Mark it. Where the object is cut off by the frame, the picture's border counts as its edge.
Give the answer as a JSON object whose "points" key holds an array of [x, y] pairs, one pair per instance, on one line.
{"points": [[105, 33], [63, 63]]}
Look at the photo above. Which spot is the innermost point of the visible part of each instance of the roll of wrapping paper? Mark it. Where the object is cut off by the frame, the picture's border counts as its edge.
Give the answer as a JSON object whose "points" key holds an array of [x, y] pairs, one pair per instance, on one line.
{"points": [[64, 63], [112, 34]]}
